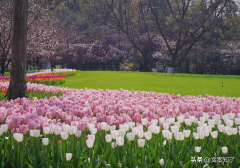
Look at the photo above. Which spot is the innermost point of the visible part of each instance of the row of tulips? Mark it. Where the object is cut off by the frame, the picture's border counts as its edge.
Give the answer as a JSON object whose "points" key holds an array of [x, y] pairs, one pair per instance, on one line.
{"points": [[65, 72], [129, 145], [47, 79]]}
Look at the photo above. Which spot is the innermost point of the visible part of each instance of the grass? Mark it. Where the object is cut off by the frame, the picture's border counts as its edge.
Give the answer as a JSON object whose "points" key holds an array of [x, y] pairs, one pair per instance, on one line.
{"points": [[184, 84]]}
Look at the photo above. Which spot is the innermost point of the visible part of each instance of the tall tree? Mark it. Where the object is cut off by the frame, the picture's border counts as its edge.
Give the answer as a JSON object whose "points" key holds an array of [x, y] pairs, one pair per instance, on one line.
{"points": [[18, 87]]}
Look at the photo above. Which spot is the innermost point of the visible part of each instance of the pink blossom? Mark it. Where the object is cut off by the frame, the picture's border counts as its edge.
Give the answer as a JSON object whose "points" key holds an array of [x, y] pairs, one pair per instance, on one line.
{"points": [[15, 121], [23, 129]]}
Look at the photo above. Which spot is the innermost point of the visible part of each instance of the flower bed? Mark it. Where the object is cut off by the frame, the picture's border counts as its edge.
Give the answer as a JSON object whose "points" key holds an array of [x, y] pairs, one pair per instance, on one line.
{"points": [[90, 128], [65, 72], [47, 79]]}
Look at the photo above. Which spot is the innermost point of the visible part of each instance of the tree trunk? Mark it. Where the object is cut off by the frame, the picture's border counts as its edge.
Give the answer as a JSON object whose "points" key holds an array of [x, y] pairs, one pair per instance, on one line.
{"points": [[18, 86], [134, 59]]}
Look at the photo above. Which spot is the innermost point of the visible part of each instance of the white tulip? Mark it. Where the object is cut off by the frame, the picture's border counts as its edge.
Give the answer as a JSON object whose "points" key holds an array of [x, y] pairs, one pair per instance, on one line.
{"points": [[1, 131], [120, 141], [131, 124], [186, 133], [164, 142], [140, 127], [228, 130], [78, 133], [221, 128], [154, 122], [188, 122], [165, 126], [113, 144], [89, 143], [229, 123], [135, 130], [169, 137], [179, 136], [93, 131], [174, 129], [162, 120], [112, 128], [92, 137], [141, 142], [18, 137], [66, 128], [108, 137], [155, 129], [68, 156], [197, 149], [148, 135], [64, 135], [161, 162], [214, 134], [103, 126], [4, 127], [202, 119], [57, 130], [130, 136], [232, 116], [144, 121], [238, 114], [196, 135], [46, 130], [180, 119], [165, 133], [107, 127], [115, 134], [237, 121], [73, 130], [45, 141], [224, 150], [122, 132], [234, 131], [201, 135], [140, 134], [192, 118]]}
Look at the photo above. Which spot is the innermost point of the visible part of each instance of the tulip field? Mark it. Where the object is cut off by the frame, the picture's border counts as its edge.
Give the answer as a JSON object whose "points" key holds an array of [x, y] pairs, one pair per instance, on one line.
{"points": [[118, 128]]}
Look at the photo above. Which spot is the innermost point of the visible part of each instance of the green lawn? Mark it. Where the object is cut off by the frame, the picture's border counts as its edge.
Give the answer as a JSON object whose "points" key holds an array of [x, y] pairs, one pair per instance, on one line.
{"points": [[184, 84]]}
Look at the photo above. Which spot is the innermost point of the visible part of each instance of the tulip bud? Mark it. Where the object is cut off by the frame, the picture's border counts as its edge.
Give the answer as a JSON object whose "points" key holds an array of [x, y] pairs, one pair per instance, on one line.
{"points": [[234, 131], [229, 123], [57, 130], [140, 134], [161, 120], [113, 144], [161, 162], [66, 128], [4, 127], [120, 141], [130, 136], [108, 137], [165, 133], [224, 150], [46, 130], [197, 149], [64, 135], [214, 134], [141, 142], [144, 121], [68, 156], [148, 135], [18, 137], [186, 133], [90, 143], [78, 133], [93, 131], [196, 136], [169, 137], [73, 130], [154, 122], [45, 141], [221, 128]]}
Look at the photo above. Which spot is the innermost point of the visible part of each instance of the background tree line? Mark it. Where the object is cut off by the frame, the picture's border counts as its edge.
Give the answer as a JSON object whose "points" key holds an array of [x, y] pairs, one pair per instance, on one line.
{"points": [[189, 36]]}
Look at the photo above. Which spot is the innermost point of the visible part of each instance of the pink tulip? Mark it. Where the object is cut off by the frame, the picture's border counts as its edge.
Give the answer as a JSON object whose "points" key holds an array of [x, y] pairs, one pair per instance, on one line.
{"points": [[110, 120], [40, 111], [15, 121], [23, 129], [2, 117]]}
